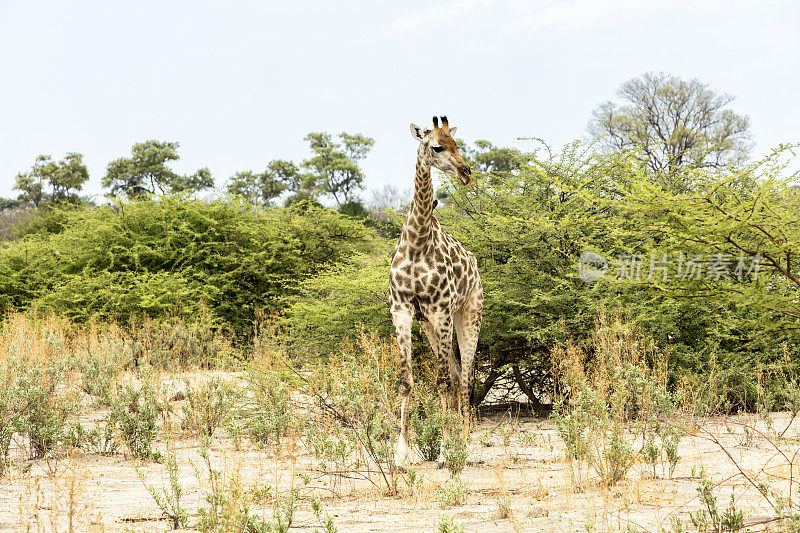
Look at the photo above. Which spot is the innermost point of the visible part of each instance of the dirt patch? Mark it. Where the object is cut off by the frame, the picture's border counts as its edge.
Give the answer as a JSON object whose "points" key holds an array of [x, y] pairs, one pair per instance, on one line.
{"points": [[517, 480]]}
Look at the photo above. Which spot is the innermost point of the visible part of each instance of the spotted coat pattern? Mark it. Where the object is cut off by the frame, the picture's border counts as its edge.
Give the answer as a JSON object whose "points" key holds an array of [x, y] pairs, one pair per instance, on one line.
{"points": [[435, 280]]}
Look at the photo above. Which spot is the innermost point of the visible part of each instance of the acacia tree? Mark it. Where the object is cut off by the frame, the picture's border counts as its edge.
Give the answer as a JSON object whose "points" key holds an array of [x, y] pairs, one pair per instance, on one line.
{"points": [[146, 172], [488, 158], [263, 187], [64, 178], [745, 225], [334, 169], [672, 124]]}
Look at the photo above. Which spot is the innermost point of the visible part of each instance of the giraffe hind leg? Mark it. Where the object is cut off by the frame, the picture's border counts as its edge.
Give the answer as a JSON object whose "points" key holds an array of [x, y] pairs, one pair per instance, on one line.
{"points": [[440, 331], [468, 324]]}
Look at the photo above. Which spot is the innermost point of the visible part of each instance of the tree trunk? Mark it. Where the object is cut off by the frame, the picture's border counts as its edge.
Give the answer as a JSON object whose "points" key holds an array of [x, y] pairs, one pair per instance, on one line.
{"points": [[525, 387]]}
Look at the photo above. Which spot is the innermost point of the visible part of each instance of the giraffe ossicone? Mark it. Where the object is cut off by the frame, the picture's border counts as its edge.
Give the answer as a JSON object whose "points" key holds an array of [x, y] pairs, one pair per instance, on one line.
{"points": [[435, 280]]}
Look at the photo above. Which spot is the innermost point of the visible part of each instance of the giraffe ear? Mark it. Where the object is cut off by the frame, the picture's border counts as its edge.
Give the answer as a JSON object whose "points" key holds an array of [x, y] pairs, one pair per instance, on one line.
{"points": [[417, 132], [453, 131]]}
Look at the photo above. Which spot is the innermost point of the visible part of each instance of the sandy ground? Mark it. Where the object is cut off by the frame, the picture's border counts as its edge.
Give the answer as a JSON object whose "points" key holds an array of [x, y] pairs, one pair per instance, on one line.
{"points": [[529, 471]]}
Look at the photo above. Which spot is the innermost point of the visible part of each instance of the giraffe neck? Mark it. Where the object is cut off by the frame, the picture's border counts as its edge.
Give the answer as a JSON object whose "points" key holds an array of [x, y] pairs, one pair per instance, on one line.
{"points": [[417, 229]]}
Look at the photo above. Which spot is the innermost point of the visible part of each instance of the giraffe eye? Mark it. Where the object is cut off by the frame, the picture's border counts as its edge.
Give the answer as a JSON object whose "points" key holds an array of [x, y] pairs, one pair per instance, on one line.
{"points": [[437, 149]]}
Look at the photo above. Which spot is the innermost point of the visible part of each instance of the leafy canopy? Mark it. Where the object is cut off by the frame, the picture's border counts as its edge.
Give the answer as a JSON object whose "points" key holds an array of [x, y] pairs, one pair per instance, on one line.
{"points": [[64, 178], [146, 172], [673, 124], [261, 188], [333, 170]]}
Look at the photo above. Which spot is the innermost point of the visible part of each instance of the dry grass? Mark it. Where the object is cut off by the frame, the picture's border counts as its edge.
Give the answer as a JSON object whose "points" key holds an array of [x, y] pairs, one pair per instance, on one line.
{"points": [[519, 478]]}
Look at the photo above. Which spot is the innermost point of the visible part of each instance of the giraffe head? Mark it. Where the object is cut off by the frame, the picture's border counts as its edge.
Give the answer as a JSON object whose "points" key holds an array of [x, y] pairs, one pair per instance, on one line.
{"points": [[438, 149]]}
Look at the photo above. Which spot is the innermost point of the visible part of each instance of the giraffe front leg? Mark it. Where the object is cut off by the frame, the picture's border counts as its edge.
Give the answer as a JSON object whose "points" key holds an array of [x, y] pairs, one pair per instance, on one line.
{"points": [[441, 329], [402, 323]]}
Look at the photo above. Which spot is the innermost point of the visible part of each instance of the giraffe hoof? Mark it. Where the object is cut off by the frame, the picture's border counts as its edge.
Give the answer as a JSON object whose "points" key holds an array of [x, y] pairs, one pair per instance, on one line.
{"points": [[400, 469]]}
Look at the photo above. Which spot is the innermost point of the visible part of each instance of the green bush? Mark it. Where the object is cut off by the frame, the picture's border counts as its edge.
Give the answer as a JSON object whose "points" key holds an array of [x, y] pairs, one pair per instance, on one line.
{"points": [[455, 452], [454, 493], [342, 302], [174, 257], [134, 411], [426, 421], [207, 406], [351, 423], [268, 410], [99, 365], [46, 407]]}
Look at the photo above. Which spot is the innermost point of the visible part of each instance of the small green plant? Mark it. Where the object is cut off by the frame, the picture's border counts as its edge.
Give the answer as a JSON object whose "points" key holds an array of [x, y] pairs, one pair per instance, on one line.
{"points": [[614, 403], [571, 425], [506, 430], [99, 366], [235, 428], [135, 410], [675, 526], [426, 422], [732, 519], [455, 453], [454, 493], [351, 427], [101, 437], [651, 453], [169, 499], [10, 410], [504, 507], [670, 445], [747, 437], [269, 414], [589, 524], [326, 521], [207, 407], [709, 518], [333, 447], [661, 443], [526, 439], [43, 408], [448, 524], [619, 458], [262, 494], [226, 500], [413, 479]]}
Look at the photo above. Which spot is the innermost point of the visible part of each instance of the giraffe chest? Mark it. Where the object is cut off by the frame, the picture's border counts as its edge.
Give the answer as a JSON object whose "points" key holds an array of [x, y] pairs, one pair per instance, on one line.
{"points": [[426, 282]]}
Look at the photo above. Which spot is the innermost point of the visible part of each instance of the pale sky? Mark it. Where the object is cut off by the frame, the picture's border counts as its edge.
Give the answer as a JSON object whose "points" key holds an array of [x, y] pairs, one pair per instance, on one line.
{"points": [[239, 83]]}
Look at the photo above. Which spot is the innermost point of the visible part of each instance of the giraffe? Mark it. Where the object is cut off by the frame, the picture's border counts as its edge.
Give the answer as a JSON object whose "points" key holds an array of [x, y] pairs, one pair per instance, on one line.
{"points": [[434, 279]]}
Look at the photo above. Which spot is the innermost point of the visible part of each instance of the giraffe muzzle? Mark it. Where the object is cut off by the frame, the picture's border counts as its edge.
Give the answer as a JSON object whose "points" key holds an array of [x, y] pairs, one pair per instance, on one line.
{"points": [[465, 175]]}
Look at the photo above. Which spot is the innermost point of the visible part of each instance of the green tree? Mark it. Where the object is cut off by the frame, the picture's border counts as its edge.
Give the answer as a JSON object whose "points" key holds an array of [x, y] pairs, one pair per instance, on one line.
{"points": [[146, 172], [64, 179], [334, 169], [488, 158], [198, 181], [673, 124], [263, 187]]}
